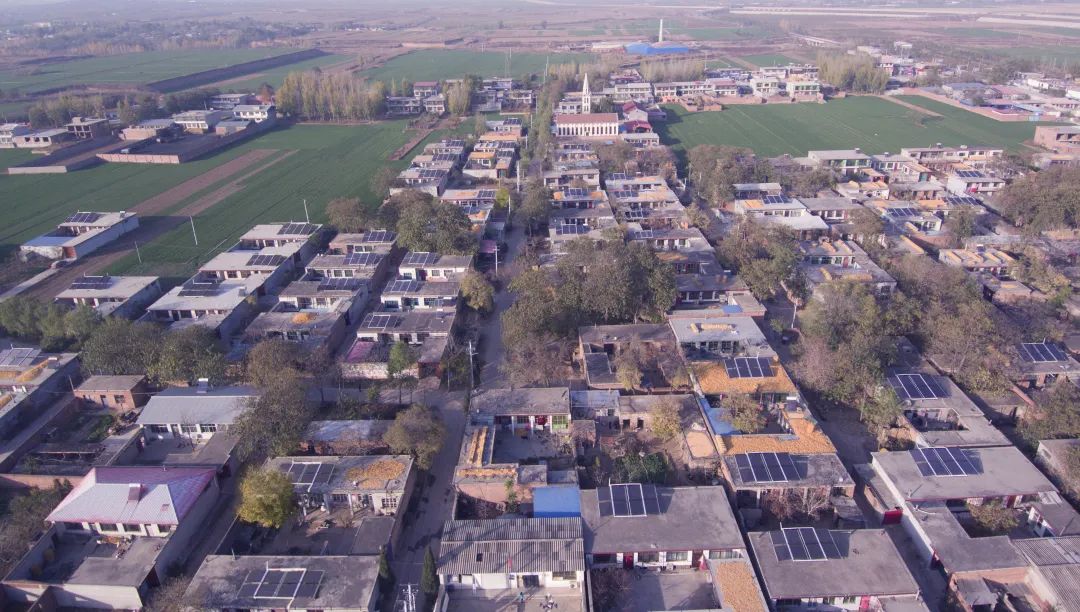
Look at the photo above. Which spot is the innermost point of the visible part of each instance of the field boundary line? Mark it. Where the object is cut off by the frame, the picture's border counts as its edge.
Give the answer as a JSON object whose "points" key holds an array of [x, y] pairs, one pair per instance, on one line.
{"points": [[909, 105]]}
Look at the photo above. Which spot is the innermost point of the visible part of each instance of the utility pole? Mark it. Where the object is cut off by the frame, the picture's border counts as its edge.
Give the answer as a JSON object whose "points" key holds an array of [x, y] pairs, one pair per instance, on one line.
{"points": [[196, 236], [543, 81], [307, 217], [519, 176], [472, 368], [137, 253]]}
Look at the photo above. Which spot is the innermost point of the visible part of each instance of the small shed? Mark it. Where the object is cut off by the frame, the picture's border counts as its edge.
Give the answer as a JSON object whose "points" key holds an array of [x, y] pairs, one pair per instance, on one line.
{"points": [[557, 502]]}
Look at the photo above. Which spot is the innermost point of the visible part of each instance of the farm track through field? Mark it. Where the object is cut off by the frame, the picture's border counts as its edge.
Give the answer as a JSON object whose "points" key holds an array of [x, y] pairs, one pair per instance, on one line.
{"points": [[909, 105], [155, 224]]}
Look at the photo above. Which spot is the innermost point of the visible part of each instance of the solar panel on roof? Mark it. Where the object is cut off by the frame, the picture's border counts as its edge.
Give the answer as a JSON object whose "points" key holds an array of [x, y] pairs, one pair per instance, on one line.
{"points": [[634, 214], [18, 357], [92, 282], [1041, 352], [571, 229], [575, 192], [746, 471], [357, 258], [309, 584], [627, 500], [297, 229], [946, 461], [378, 236], [903, 212], [645, 234], [776, 199], [83, 217], [444, 157], [339, 284], [969, 174], [429, 174], [917, 387], [618, 176], [403, 286], [486, 194], [377, 321], [962, 200], [416, 258], [266, 260], [748, 367]]}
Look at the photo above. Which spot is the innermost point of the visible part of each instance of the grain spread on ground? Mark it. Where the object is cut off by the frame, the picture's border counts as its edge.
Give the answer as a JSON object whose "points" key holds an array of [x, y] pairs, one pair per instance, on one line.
{"points": [[378, 471]]}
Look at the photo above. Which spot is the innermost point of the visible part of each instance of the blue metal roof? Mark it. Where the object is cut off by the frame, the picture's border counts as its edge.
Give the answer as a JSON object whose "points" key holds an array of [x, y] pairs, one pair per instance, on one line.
{"points": [[557, 501]]}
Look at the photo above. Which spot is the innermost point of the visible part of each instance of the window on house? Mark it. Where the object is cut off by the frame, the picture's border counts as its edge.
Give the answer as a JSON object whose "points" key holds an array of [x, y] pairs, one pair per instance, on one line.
{"points": [[188, 429], [339, 498], [603, 558], [559, 421], [681, 555], [648, 557], [208, 427], [159, 429], [112, 527], [164, 528], [850, 599], [130, 528], [564, 575], [70, 525], [389, 503], [119, 399]]}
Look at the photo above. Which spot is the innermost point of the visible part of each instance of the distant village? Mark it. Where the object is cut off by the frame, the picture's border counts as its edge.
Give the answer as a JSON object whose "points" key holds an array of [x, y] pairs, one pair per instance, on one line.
{"points": [[675, 459]]}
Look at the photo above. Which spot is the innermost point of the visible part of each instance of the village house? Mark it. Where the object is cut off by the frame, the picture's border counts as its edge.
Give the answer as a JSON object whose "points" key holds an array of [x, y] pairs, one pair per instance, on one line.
{"points": [[707, 286], [85, 128], [340, 582], [371, 268], [228, 101], [514, 554], [785, 211], [31, 381], [80, 234], [565, 176], [973, 182], [826, 261], [940, 157], [117, 393], [524, 410], [427, 180], [314, 312], [1043, 364], [255, 112], [224, 306], [404, 295], [281, 234], [756, 477], [429, 331], [40, 139], [1058, 138], [119, 296], [418, 265], [928, 490], [646, 352], [844, 161], [804, 567], [373, 484], [832, 209], [756, 191], [644, 525], [116, 535], [200, 121], [980, 260], [917, 190], [935, 410], [194, 413], [369, 241], [10, 133]]}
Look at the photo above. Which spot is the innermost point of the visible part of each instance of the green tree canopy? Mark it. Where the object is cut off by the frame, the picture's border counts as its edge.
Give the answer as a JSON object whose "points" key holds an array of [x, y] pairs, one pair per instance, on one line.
{"points": [[417, 432], [266, 498]]}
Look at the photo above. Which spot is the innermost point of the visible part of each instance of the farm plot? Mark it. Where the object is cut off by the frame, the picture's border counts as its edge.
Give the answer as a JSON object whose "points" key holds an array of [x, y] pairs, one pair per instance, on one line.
{"points": [[770, 59], [435, 65], [131, 68], [34, 204], [275, 76], [870, 123], [327, 162]]}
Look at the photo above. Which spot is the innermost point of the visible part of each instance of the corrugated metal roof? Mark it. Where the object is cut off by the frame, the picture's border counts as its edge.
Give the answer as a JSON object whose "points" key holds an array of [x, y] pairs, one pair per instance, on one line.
{"points": [[1050, 551], [512, 545], [1065, 581]]}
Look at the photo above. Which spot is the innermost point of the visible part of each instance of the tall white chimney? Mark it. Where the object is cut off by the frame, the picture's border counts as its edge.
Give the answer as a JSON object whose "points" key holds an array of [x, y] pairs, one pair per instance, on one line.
{"points": [[661, 38]]}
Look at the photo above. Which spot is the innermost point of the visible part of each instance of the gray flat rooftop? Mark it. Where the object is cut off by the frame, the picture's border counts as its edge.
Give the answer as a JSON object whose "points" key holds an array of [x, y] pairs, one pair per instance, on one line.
{"points": [[554, 400], [338, 582], [1004, 471], [868, 564], [690, 518]]}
